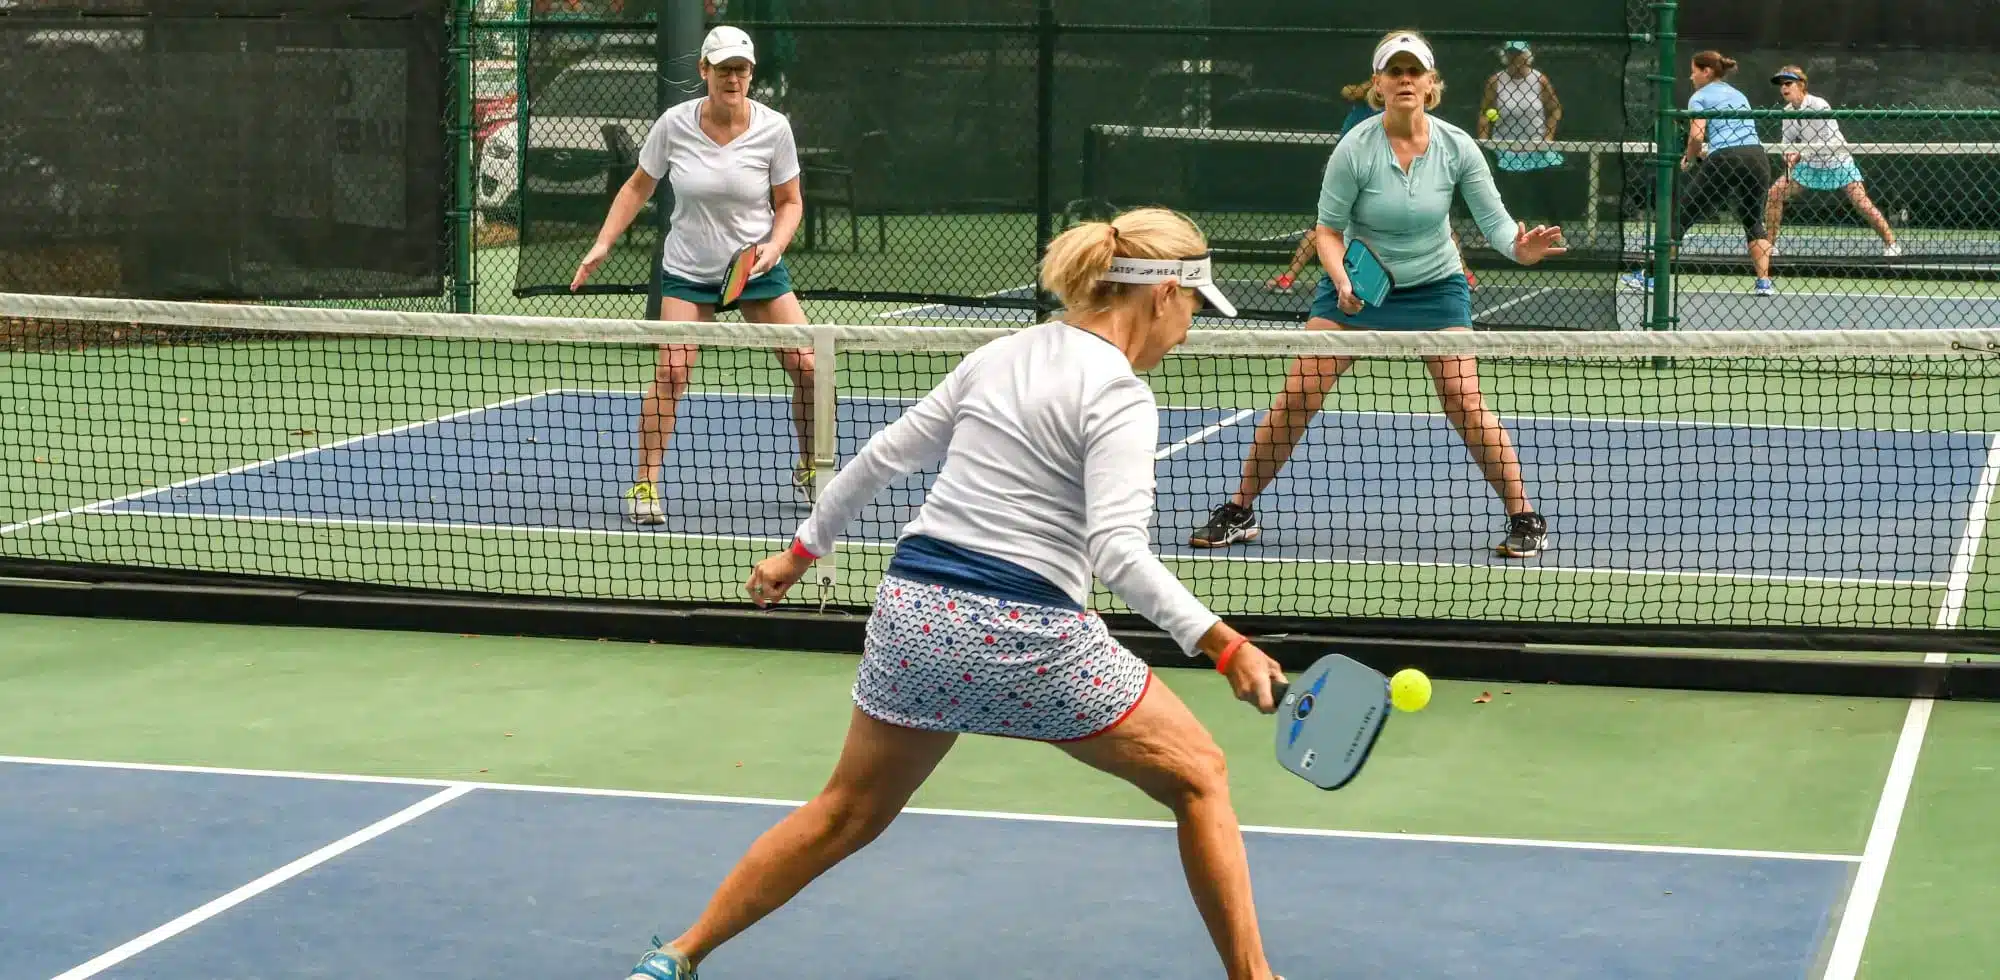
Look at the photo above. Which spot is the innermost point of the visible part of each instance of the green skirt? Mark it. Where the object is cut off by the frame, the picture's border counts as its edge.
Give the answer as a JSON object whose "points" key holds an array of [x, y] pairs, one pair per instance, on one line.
{"points": [[770, 285]]}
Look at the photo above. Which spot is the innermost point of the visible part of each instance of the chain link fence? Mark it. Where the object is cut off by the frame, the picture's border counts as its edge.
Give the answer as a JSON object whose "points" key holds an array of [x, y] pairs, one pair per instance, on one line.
{"points": [[461, 154], [254, 149], [1838, 218], [939, 154]]}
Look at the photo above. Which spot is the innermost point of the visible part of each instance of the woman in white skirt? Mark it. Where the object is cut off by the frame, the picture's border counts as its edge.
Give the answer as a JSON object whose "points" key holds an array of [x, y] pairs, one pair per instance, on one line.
{"points": [[980, 624], [1822, 165]]}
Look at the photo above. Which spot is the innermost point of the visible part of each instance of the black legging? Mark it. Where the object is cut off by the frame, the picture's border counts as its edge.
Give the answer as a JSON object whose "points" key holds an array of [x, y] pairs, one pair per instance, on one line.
{"points": [[1739, 175]]}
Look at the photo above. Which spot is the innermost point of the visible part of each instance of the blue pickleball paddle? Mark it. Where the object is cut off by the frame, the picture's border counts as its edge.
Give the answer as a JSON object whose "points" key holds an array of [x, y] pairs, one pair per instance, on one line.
{"points": [[1329, 718]]}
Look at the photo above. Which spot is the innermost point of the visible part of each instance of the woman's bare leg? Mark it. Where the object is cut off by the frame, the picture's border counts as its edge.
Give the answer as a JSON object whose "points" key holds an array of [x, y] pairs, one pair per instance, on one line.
{"points": [[1306, 385], [797, 364], [1857, 195], [660, 407], [880, 767], [1457, 381], [1162, 749]]}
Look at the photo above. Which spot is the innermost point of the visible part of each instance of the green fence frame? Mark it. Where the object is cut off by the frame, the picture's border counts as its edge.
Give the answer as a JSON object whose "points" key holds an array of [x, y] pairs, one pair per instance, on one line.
{"points": [[1656, 30]]}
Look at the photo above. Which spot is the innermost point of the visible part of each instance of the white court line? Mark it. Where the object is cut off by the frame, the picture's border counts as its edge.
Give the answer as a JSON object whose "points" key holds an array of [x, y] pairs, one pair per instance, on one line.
{"points": [[940, 812], [1967, 551], [1515, 302], [216, 907], [1852, 937], [6, 529], [1851, 940], [1371, 413], [1354, 413], [1204, 434], [930, 308], [1756, 300], [775, 540], [1574, 570]]}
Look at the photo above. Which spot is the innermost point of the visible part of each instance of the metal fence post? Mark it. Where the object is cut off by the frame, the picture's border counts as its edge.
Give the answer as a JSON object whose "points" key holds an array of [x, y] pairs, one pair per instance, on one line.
{"points": [[677, 42], [463, 202], [1045, 86], [1666, 162]]}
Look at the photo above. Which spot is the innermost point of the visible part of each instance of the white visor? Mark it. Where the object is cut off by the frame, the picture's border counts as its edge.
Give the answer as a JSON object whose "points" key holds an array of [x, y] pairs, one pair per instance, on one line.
{"points": [[1196, 273], [1401, 43]]}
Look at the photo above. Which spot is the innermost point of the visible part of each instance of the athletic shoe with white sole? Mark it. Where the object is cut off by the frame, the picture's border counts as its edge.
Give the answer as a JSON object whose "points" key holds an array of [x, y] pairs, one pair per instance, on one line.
{"points": [[662, 962]]}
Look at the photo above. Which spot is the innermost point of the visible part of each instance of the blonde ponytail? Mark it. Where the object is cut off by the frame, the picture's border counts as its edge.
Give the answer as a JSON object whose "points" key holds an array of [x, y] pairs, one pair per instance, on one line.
{"points": [[1077, 260]]}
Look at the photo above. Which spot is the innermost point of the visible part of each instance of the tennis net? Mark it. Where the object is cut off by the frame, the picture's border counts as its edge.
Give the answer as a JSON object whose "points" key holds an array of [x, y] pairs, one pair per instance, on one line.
{"points": [[1801, 480]]}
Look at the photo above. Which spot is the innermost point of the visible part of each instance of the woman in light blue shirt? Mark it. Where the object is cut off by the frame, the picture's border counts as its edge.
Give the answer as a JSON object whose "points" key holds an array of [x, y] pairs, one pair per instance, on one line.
{"points": [[1726, 164], [1390, 183]]}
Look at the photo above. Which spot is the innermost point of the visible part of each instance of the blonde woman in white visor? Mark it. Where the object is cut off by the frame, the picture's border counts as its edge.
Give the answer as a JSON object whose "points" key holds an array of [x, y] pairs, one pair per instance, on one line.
{"points": [[1047, 438]]}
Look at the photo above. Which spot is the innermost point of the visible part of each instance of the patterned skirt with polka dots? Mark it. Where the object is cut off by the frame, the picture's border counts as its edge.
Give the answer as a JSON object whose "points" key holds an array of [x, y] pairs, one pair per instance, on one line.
{"points": [[946, 659]]}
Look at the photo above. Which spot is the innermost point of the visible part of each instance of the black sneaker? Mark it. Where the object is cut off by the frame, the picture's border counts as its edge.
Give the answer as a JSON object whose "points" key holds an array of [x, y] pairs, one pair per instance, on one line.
{"points": [[1527, 535], [1226, 525]]}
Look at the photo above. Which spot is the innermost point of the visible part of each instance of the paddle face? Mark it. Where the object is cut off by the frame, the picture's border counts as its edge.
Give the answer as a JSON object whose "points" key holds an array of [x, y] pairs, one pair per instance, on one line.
{"points": [[1365, 270], [736, 276], [1329, 718]]}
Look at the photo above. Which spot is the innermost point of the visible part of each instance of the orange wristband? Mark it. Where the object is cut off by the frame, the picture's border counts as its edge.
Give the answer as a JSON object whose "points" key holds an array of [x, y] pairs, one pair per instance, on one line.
{"points": [[1222, 659]]}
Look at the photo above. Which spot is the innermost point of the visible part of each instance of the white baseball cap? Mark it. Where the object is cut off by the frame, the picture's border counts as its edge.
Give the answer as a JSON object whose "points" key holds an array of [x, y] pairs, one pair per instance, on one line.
{"points": [[1401, 43], [1196, 273], [724, 43]]}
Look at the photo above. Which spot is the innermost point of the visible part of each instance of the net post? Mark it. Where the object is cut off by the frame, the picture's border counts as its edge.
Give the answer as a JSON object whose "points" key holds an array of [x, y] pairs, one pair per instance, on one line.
{"points": [[825, 440], [1045, 74]]}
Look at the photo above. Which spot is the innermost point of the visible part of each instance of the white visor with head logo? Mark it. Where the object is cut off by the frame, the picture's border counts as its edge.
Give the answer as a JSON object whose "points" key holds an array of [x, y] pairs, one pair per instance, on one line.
{"points": [[1405, 44], [1196, 273]]}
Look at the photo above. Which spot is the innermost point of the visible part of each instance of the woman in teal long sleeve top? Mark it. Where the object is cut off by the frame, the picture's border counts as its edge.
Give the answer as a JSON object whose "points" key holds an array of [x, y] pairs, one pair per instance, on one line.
{"points": [[1390, 183]]}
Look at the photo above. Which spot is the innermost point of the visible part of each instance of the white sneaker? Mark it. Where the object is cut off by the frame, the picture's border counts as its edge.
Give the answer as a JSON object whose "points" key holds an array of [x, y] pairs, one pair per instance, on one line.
{"points": [[642, 505], [1892, 250]]}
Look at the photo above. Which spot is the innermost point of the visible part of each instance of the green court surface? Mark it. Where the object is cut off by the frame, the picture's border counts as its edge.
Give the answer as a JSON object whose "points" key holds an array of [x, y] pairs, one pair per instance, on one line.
{"points": [[1647, 768]]}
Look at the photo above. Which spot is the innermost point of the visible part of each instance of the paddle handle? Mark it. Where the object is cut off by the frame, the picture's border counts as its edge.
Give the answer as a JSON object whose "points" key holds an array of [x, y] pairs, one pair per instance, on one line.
{"points": [[1278, 689]]}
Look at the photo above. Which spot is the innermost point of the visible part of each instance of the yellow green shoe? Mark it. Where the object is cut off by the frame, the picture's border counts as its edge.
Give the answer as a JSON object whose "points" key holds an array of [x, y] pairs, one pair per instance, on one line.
{"points": [[805, 482], [642, 505]]}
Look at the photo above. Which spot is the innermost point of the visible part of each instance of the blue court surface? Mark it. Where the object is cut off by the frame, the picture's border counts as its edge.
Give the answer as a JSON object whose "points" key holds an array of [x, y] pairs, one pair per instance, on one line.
{"points": [[212, 875], [1622, 496]]}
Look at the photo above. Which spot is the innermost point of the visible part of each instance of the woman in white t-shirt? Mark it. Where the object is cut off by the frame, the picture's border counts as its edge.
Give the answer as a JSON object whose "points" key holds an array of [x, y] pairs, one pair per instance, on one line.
{"points": [[979, 626], [734, 169], [1822, 165]]}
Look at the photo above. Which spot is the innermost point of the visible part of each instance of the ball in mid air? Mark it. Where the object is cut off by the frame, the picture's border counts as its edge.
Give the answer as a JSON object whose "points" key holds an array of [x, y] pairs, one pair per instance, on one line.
{"points": [[1409, 689]]}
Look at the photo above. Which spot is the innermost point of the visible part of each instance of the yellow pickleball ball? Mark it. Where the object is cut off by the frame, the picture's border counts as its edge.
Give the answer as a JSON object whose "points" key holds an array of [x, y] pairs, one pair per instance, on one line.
{"points": [[1493, 115], [1409, 690]]}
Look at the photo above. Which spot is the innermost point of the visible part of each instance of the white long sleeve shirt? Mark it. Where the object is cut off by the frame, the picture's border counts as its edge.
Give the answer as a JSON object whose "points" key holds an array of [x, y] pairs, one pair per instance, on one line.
{"points": [[1048, 439], [1824, 145]]}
